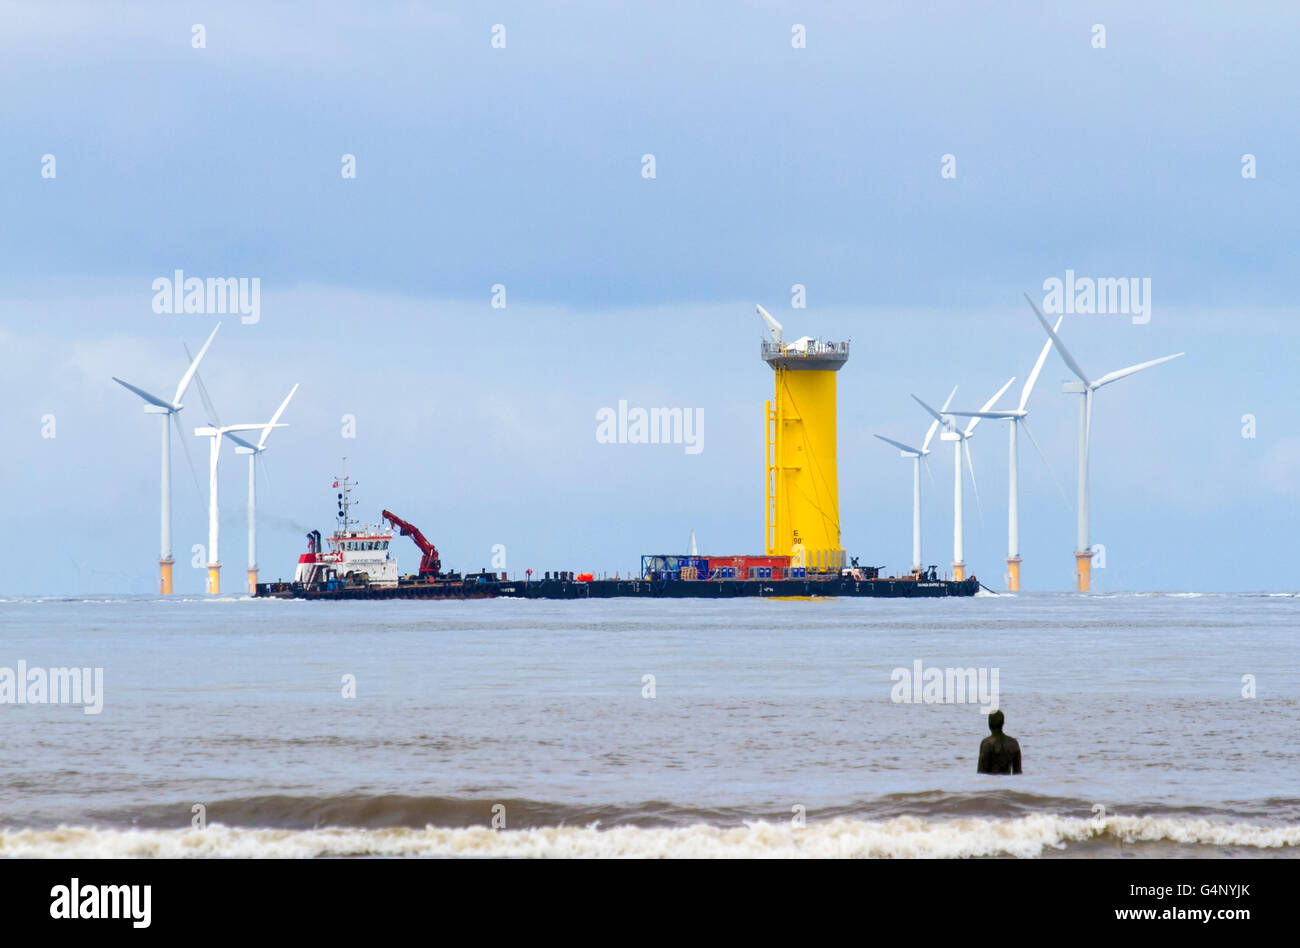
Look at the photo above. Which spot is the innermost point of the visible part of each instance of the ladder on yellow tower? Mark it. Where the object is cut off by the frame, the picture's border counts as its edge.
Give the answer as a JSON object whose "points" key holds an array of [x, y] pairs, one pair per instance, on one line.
{"points": [[770, 517]]}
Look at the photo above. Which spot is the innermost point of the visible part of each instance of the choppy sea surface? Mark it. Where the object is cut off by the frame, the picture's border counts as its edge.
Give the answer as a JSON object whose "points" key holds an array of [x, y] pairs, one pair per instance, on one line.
{"points": [[530, 728]]}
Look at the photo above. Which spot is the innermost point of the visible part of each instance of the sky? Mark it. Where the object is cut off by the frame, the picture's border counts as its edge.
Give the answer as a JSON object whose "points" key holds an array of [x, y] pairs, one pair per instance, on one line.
{"points": [[914, 168]]}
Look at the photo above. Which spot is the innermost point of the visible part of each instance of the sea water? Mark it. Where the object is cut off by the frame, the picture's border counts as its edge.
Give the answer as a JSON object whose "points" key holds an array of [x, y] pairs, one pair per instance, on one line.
{"points": [[1150, 724]]}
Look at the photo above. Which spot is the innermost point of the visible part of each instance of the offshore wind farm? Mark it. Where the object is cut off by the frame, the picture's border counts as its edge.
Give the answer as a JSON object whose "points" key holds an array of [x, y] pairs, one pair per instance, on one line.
{"points": [[647, 430], [802, 556]]}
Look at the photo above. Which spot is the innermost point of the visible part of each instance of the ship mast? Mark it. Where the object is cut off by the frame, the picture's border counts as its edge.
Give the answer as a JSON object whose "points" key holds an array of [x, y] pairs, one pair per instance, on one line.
{"points": [[344, 499]]}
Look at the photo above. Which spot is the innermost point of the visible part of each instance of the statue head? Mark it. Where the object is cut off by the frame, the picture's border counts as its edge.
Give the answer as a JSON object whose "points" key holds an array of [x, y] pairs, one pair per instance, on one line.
{"points": [[995, 720]]}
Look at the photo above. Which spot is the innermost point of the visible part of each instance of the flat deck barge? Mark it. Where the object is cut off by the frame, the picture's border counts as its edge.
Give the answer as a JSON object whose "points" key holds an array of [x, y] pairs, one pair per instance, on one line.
{"points": [[492, 586]]}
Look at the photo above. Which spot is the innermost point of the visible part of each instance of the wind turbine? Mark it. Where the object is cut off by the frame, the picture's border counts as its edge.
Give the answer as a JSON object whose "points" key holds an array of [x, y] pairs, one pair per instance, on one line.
{"points": [[168, 409], [961, 439], [916, 454], [1017, 417], [214, 452], [1085, 387], [254, 451]]}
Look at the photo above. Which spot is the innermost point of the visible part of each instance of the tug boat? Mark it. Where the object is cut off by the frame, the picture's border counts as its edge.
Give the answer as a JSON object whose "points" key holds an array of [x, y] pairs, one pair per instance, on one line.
{"points": [[358, 554]]}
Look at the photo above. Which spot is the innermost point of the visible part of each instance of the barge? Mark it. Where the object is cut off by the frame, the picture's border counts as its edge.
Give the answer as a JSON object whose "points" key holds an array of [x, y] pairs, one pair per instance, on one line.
{"points": [[357, 561]]}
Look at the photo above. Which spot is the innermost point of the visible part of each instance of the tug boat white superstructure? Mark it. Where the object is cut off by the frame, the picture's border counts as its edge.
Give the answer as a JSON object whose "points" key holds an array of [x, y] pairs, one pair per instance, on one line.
{"points": [[358, 553]]}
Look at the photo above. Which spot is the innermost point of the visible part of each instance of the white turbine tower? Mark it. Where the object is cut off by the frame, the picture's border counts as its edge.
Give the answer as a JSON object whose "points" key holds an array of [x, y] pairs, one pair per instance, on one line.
{"points": [[214, 452], [1017, 417], [254, 451], [1085, 387], [216, 431], [916, 454], [961, 440], [168, 409]]}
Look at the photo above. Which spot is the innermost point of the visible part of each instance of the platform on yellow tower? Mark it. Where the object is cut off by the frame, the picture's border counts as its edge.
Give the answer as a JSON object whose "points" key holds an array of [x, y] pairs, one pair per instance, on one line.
{"points": [[803, 502]]}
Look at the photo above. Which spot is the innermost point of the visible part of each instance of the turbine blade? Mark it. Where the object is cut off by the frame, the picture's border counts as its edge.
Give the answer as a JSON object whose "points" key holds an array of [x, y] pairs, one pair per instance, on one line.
{"points": [[1060, 346], [1125, 373], [987, 405], [213, 420], [151, 399], [900, 445], [937, 417], [276, 417], [241, 442], [256, 426], [929, 436], [970, 466], [189, 460], [266, 476], [1000, 413], [1038, 367], [194, 367], [925, 459], [934, 425], [1065, 501]]}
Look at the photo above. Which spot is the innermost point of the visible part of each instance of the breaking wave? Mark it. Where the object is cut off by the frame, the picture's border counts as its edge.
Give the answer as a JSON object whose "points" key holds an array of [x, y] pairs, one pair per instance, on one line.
{"points": [[903, 837]]}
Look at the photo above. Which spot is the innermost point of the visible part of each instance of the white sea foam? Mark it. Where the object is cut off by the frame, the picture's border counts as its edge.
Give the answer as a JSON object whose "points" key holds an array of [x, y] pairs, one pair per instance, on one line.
{"points": [[904, 837]]}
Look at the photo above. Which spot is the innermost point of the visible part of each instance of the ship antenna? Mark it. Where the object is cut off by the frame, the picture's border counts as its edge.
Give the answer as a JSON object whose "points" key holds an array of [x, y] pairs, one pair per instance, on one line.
{"points": [[345, 498]]}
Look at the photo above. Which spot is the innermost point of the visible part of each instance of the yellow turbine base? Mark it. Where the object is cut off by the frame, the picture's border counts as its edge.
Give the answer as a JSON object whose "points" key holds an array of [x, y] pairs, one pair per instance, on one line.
{"points": [[1083, 570], [252, 581], [214, 578], [803, 494], [959, 571], [165, 578], [1013, 574]]}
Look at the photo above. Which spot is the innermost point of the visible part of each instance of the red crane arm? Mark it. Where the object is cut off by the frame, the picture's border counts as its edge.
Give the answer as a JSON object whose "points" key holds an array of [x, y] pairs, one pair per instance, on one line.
{"points": [[430, 564]]}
